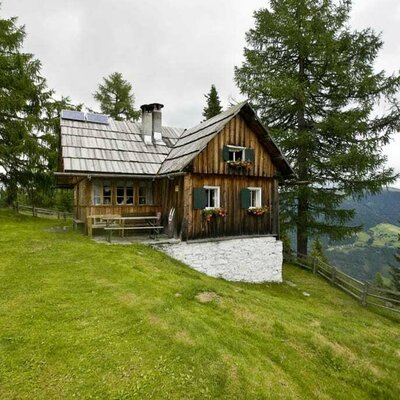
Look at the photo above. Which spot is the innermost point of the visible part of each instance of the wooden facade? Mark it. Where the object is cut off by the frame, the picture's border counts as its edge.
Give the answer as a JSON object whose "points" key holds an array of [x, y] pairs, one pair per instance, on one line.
{"points": [[197, 161]]}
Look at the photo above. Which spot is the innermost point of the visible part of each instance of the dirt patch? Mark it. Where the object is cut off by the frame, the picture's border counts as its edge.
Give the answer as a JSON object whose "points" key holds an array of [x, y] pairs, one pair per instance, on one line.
{"points": [[184, 337], [206, 297], [128, 299], [156, 321], [244, 314]]}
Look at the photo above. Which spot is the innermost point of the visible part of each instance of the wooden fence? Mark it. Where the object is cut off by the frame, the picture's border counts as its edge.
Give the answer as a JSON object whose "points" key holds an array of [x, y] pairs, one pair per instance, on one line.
{"points": [[365, 293], [36, 211]]}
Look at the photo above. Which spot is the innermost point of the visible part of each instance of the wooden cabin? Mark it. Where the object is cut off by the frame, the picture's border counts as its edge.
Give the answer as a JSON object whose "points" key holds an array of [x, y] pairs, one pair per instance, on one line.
{"points": [[219, 178]]}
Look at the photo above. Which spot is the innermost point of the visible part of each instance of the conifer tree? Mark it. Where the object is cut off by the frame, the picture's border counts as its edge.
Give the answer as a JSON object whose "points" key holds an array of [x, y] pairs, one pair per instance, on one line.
{"points": [[116, 98], [312, 80], [23, 97], [213, 106]]}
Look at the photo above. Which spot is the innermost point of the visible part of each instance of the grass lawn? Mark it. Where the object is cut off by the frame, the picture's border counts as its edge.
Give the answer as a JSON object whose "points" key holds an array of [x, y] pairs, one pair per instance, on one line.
{"points": [[79, 319]]}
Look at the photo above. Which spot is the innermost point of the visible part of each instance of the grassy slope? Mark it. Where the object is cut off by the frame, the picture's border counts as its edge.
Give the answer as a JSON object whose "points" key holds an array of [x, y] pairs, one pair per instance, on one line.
{"points": [[88, 320]]}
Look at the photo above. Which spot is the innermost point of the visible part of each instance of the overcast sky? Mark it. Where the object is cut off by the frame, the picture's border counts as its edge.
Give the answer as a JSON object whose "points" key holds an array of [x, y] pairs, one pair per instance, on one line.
{"points": [[170, 50]]}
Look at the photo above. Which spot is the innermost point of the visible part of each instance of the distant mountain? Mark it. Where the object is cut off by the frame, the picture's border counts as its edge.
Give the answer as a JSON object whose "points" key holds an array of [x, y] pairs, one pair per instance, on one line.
{"points": [[377, 209], [371, 250]]}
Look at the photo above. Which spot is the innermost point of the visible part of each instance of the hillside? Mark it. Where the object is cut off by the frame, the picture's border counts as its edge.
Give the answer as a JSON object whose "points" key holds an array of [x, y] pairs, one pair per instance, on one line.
{"points": [[378, 209], [80, 319], [371, 250]]}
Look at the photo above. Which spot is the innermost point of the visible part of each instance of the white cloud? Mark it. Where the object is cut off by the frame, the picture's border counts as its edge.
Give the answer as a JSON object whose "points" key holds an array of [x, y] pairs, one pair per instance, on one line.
{"points": [[171, 50]]}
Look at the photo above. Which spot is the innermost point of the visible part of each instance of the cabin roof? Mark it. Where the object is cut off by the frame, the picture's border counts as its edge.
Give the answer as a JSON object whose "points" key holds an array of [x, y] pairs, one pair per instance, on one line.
{"points": [[115, 148], [118, 147]]}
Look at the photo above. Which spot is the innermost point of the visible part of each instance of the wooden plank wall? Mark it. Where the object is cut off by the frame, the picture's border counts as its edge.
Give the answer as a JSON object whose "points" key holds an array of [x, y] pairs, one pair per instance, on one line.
{"points": [[172, 196], [210, 169], [84, 207], [237, 220], [236, 133]]}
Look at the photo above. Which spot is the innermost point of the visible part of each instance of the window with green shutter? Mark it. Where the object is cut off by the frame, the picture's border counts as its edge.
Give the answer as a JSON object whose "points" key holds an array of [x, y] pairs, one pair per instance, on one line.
{"points": [[232, 153], [245, 198], [249, 154], [199, 198]]}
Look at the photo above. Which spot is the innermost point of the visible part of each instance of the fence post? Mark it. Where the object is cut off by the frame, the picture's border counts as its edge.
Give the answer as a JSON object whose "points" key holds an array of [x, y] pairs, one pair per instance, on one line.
{"points": [[364, 296], [333, 275], [33, 211], [65, 216], [314, 265]]}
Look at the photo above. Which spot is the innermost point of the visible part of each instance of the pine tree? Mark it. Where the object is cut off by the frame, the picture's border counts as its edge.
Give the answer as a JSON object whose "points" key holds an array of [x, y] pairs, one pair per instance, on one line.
{"points": [[318, 252], [213, 106], [395, 270], [311, 79], [23, 96], [116, 98]]}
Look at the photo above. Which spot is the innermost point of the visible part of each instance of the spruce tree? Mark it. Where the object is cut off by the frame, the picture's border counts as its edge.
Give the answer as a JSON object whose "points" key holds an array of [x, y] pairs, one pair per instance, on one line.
{"points": [[23, 97], [311, 79], [213, 106], [116, 98]]}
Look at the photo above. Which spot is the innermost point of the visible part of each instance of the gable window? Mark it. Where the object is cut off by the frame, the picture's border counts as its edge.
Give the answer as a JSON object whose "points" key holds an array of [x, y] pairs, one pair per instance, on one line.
{"points": [[145, 193], [212, 196], [232, 154], [251, 197], [236, 153], [102, 192], [124, 192]]}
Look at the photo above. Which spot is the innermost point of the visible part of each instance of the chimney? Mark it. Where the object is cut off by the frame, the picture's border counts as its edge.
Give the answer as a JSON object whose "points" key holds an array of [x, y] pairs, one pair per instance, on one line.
{"points": [[152, 122]]}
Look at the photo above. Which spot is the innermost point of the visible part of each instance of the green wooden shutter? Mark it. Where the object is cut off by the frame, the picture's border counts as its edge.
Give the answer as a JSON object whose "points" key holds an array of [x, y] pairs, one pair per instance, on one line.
{"points": [[244, 198], [199, 198], [249, 154], [225, 153]]}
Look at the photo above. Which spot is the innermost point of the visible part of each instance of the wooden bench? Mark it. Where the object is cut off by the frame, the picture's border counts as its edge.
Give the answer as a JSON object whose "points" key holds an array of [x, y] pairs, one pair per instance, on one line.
{"points": [[147, 222], [99, 222], [77, 223], [111, 229]]}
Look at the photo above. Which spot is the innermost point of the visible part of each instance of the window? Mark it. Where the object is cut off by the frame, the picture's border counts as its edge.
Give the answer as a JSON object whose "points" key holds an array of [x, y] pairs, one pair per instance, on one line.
{"points": [[145, 193], [212, 196], [236, 153], [124, 192], [250, 197], [102, 192], [255, 196]]}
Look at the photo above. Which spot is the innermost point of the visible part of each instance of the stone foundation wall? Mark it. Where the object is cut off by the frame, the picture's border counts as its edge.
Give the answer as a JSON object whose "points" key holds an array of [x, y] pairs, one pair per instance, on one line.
{"points": [[255, 259]]}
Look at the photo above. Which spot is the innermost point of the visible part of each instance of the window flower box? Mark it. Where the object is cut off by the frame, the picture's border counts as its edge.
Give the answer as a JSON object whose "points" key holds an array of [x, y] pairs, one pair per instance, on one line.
{"points": [[257, 211], [212, 213], [240, 164]]}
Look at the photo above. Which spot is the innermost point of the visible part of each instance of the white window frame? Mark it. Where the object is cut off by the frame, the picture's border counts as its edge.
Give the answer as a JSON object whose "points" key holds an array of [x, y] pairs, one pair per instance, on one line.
{"points": [[234, 149], [217, 196], [126, 184], [98, 196], [257, 192], [149, 193]]}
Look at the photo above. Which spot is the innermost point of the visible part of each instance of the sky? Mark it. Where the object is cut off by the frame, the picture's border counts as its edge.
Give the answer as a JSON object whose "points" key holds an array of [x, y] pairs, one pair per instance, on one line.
{"points": [[170, 50]]}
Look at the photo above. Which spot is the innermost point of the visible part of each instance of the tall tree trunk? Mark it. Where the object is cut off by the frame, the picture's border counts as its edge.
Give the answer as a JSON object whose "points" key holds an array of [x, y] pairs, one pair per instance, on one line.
{"points": [[302, 163], [302, 235], [11, 193]]}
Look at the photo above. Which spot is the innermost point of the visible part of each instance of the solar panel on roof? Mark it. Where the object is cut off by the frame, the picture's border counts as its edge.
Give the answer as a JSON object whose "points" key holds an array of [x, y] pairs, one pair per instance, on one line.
{"points": [[97, 118], [73, 115]]}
